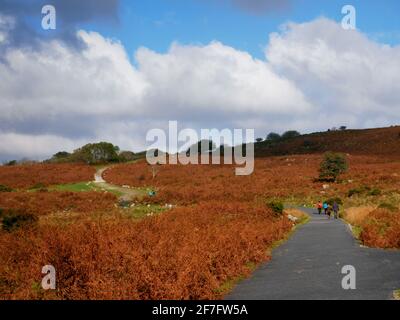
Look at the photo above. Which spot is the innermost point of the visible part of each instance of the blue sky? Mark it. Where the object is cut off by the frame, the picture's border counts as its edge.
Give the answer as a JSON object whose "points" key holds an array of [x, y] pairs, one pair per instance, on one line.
{"points": [[157, 23]]}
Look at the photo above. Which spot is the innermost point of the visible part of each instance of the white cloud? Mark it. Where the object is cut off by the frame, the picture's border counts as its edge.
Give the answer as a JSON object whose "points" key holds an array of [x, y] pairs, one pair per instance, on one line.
{"points": [[341, 71], [6, 24], [316, 76], [60, 91], [35, 147], [215, 79]]}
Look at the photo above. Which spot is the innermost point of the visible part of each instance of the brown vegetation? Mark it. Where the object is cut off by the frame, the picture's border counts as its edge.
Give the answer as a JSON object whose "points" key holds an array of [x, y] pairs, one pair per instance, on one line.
{"points": [[28, 176]]}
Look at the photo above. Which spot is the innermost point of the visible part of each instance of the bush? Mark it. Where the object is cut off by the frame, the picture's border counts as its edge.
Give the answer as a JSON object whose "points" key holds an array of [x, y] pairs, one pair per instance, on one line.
{"points": [[11, 163], [333, 165], [277, 207], [38, 186], [375, 192], [96, 153], [126, 156], [333, 200], [14, 219], [5, 188], [290, 134], [353, 192], [273, 136], [388, 206]]}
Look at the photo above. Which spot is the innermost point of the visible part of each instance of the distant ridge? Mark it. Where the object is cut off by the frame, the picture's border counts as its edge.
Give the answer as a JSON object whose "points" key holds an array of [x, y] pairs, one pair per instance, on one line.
{"points": [[380, 141]]}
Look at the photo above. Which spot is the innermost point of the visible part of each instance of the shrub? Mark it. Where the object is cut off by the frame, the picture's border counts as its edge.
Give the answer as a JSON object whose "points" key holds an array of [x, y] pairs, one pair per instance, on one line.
{"points": [[333, 165], [38, 186], [14, 219], [290, 134], [11, 163], [277, 207], [273, 136], [355, 191], [388, 206], [381, 229], [126, 156], [374, 192], [333, 200], [5, 188]]}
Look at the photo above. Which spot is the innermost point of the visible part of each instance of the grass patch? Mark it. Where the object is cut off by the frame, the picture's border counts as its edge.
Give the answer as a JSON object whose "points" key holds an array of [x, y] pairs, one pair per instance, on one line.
{"points": [[396, 294], [5, 188], [141, 211], [85, 187], [75, 187], [356, 230]]}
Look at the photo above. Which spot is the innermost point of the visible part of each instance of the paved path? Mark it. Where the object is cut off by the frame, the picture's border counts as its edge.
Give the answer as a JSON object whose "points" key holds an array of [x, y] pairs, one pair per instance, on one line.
{"points": [[309, 265]]}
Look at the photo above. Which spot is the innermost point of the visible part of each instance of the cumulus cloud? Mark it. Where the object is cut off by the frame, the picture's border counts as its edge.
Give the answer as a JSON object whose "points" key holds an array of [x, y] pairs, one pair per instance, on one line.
{"points": [[316, 75], [215, 79], [343, 72], [55, 90]]}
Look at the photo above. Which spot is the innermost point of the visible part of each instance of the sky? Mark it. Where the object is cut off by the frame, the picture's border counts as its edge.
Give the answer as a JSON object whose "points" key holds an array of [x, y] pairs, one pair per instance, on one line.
{"points": [[113, 70]]}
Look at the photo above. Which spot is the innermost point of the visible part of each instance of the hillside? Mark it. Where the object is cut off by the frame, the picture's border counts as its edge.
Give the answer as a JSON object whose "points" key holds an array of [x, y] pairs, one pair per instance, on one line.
{"points": [[381, 141]]}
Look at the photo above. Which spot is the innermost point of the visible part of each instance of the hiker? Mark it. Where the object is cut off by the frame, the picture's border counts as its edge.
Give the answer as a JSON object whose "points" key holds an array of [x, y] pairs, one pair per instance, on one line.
{"points": [[336, 209], [325, 206], [319, 207]]}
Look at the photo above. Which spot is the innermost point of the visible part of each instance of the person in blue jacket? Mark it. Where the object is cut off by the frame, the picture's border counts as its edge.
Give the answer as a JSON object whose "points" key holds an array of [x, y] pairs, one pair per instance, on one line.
{"points": [[325, 206]]}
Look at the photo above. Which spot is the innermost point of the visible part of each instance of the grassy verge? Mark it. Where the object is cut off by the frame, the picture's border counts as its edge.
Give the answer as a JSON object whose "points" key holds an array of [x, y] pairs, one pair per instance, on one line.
{"points": [[141, 211]]}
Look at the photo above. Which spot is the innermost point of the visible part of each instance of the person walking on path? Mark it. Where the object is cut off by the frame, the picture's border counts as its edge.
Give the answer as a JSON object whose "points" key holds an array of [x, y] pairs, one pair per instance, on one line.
{"points": [[336, 209], [319, 207], [325, 206]]}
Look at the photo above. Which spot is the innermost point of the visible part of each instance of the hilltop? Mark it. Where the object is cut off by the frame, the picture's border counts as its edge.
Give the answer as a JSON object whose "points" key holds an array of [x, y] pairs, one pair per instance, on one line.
{"points": [[380, 141]]}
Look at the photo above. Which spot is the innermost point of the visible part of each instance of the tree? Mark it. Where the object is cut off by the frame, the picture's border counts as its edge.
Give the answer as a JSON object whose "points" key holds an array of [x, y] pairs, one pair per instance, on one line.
{"points": [[290, 134], [11, 163], [96, 153], [126, 156], [258, 140], [333, 165], [273, 136], [61, 156]]}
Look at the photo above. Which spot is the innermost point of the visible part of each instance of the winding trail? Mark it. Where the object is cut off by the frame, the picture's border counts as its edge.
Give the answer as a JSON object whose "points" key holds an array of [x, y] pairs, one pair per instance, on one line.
{"points": [[308, 266], [127, 194]]}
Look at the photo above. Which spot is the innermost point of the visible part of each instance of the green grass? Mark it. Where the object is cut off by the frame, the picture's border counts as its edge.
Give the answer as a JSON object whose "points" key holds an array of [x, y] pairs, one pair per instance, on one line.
{"points": [[396, 294], [84, 187], [141, 211], [356, 230], [75, 187]]}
